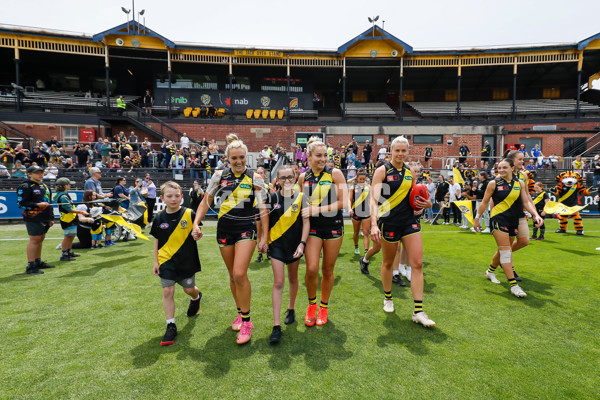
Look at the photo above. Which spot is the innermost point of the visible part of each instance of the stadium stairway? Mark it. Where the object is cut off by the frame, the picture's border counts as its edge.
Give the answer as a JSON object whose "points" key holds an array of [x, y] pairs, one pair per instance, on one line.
{"points": [[6, 129], [144, 121]]}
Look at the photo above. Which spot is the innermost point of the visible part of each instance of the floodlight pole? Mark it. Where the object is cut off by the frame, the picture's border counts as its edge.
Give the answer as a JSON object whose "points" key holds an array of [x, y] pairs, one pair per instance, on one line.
{"points": [[514, 97], [170, 76], [107, 79], [579, 70], [401, 94], [344, 91]]}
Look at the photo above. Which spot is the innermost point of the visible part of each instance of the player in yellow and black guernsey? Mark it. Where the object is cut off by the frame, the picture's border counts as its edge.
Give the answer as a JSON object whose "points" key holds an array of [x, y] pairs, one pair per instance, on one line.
{"points": [[393, 220], [326, 192], [288, 232], [509, 195], [237, 189], [175, 255]]}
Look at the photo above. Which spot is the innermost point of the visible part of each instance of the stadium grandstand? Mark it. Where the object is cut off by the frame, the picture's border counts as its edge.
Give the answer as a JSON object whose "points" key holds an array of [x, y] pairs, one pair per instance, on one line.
{"points": [[373, 87]]}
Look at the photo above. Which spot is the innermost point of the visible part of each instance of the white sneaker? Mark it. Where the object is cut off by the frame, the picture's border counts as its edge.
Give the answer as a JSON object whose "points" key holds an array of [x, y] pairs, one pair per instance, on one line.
{"points": [[423, 319], [361, 233], [356, 251], [517, 291], [491, 276], [408, 273], [597, 248], [388, 305], [402, 270], [464, 227], [473, 229], [59, 246], [486, 230]]}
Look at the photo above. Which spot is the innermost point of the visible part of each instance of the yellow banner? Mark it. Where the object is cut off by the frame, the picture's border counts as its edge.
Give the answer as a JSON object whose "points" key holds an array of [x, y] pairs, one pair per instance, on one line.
{"points": [[552, 207], [117, 219], [458, 177], [466, 207]]}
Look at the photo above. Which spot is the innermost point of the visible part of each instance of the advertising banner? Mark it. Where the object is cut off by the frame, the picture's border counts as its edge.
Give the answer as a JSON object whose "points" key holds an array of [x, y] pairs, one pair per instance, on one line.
{"points": [[241, 101]]}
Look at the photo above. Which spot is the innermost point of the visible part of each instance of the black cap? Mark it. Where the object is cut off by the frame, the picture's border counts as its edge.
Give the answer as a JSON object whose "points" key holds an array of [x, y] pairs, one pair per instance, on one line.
{"points": [[34, 168]]}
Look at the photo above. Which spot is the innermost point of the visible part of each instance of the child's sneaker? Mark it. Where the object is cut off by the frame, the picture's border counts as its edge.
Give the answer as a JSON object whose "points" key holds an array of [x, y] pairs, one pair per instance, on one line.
{"points": [[194, 306], [517, 291], [170, 334], [236, 325], [245, 332]]}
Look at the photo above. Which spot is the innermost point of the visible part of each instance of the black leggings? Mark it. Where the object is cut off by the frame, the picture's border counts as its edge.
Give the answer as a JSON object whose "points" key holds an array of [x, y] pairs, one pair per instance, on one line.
{"points": [[85, 238], [150, 204], [446, 214], [457, 215]]}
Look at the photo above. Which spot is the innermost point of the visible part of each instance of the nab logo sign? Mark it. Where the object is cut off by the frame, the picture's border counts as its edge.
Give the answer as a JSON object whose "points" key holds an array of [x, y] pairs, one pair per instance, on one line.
{"points": [[242, 102]]}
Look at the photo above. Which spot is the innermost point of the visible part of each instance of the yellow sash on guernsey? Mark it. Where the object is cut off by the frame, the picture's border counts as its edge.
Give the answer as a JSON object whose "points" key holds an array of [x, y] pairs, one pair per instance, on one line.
{"points": [[286, 220], [362, 197], [397, 197], [508, 201], [569, 193], [241, 193], [539, 198], [67, 217], [322, 189], [177, 238]]}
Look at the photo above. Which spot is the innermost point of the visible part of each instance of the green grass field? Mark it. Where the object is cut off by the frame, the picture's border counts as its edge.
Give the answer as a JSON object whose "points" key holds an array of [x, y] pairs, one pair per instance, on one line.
{"points": [[91, 328]]}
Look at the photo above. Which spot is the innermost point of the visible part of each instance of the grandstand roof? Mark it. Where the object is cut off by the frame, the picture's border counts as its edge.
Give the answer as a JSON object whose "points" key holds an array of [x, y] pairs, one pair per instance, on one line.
{"points": [[371, 35]]}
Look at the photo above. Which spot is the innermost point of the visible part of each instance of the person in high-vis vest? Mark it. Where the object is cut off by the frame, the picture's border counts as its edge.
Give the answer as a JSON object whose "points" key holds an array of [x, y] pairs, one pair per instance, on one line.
{"points": [[68, 217], [177, 163], [121, 105]]}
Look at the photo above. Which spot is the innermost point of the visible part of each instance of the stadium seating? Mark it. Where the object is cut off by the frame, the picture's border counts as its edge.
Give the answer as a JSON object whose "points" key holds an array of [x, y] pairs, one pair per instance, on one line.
{"points": [[272, 114], [187, 111], [369, 110], [502, 108], [264, 114], [249, 113], [196, 112], [280, 114], [220, 112], [256, 114]]}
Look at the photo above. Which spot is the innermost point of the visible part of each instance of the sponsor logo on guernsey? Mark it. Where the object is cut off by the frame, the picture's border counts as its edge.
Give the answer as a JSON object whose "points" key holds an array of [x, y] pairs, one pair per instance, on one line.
{"points": [[325, 183], [245, 234], [415, 226], [164, 225], [245, 186], [408, 178], [276, 206], [36, 191]]}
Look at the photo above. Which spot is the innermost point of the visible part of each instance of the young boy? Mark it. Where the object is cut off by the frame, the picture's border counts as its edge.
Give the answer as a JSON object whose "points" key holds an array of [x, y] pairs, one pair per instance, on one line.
{"points": [[175, 255], [540, 198]]}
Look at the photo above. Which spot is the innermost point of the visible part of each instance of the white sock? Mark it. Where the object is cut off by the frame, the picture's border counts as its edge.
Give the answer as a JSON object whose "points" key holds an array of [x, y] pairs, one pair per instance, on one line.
{"points": [[400, 266], [396, 272], [197, 297], [171, 321]]}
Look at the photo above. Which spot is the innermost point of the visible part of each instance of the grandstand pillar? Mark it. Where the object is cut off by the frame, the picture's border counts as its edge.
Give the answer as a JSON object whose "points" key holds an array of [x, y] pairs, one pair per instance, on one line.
{"points": [[170, 76], [18, 79], [344, 90], [288, 89], [514, 93], [231, 88], [579, 68], [458, 92], [107, 79], [401, 93]]}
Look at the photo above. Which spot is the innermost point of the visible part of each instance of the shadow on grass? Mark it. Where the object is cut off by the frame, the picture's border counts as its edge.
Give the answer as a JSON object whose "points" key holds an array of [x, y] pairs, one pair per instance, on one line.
{"points": [[398, 291], [15, 277], [578, 252], [97, 267], [406, 333], [535, 290], [319, 346], [148, 353]]}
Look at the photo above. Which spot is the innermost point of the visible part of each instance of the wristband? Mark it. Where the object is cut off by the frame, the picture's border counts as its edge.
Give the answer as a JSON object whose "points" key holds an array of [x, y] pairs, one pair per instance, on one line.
{"points": [[478, 216], [303, 243]]}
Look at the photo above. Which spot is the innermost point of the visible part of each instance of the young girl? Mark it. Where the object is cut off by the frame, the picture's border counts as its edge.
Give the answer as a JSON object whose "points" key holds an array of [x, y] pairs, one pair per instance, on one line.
{"points": [[288, 232], [359, 210], [445, 209], [325, 189], [539, 201], [236, 227], [394, 220], [509, 196]]}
